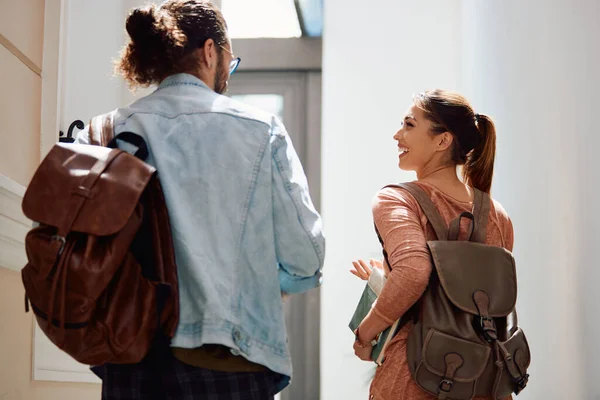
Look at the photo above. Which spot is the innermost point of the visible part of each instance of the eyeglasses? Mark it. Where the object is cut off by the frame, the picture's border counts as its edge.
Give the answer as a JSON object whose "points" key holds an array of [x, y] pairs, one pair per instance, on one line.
{"points": [[235, 63]]}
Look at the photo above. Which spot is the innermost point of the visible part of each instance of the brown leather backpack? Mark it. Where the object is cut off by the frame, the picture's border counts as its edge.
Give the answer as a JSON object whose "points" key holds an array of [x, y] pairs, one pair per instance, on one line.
{"points": [[465, 341], [101, 275]]}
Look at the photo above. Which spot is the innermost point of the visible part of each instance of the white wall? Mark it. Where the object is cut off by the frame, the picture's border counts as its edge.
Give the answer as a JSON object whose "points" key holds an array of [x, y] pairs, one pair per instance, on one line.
{"points": [[533, 67], [94, 33], [376, 55], [93, 36]]}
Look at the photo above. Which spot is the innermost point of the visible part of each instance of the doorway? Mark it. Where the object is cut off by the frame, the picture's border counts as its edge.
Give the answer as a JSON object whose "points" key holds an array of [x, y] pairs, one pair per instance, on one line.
{"points": [[294, 97]]}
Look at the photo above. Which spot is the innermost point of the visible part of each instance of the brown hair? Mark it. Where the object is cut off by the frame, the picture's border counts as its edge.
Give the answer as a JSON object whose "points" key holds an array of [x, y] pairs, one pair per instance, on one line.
{"points": [[474, 134], [164, 37]]}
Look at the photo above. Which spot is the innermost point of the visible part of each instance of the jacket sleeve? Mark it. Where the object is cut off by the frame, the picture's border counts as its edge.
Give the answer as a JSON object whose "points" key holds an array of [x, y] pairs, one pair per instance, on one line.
{"points": [[298, 227]]}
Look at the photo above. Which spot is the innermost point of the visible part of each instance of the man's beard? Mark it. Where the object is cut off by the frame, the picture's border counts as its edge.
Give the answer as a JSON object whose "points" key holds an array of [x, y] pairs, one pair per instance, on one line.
{"points": [[221, 77]]}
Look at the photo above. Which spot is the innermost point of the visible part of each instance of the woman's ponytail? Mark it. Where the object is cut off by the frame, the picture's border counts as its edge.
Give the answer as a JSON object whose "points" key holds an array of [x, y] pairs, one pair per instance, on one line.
{"points": [[479, 166]]}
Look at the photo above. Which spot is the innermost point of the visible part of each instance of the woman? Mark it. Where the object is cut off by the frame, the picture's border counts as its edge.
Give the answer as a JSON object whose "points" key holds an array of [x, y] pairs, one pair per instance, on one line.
{"points": [[440, 131]]}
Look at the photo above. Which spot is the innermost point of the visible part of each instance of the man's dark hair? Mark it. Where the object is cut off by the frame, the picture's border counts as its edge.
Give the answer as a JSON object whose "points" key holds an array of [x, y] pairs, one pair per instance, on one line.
{"points": [[163, 39]]}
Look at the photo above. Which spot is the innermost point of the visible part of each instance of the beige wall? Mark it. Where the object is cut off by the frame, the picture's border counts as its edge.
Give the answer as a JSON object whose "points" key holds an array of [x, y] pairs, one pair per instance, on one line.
{"points": [[22, 22], [21, 27], [20, 106], [16, 351], [21, 59]]}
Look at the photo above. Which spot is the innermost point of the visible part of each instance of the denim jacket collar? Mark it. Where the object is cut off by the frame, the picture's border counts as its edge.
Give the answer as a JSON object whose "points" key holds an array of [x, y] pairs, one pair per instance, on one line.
{"points": [[183, 79]]}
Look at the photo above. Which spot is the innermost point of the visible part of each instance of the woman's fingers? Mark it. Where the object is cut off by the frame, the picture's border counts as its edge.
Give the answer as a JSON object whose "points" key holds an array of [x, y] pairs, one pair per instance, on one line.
{"points": [[365, 267], [357, 270], [360, 271], [356, 274]]}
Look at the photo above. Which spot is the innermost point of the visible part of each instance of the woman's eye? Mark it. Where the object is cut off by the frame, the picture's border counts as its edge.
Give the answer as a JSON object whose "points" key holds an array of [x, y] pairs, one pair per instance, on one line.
{"points": [[409, 124]]}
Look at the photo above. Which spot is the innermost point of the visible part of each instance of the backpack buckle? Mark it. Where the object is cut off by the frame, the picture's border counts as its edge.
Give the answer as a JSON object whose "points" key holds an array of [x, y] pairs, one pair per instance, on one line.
{"points": [[62, 241], [488, 328], [521, 383], [446, 385]]}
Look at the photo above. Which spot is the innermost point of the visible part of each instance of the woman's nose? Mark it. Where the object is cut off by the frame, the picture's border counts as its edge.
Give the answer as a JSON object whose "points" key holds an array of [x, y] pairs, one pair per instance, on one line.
{"points": [[398, 135]]}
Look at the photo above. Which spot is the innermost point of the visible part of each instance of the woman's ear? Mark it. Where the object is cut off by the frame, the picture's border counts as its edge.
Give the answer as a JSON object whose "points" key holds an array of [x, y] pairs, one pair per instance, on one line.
{"points": [[445, 140]]}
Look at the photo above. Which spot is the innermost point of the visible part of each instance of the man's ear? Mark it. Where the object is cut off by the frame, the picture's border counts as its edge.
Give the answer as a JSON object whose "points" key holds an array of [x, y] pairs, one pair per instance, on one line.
{"points": [[209, 54]]}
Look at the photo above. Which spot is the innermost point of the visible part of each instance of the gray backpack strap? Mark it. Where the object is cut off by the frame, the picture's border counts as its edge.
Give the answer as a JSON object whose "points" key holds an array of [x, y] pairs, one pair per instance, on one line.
{"points": [[430, 210], [481, 214]]}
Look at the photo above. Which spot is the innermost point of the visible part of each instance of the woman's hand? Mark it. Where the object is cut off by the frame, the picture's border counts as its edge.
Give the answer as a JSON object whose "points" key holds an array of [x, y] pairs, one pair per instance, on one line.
{"points": [[362, 351], [363, 270]]}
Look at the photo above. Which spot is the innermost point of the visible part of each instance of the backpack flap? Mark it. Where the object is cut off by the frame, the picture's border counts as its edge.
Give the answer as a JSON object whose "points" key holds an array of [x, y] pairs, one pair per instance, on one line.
{"points": [[466, 268], [87, 189]]}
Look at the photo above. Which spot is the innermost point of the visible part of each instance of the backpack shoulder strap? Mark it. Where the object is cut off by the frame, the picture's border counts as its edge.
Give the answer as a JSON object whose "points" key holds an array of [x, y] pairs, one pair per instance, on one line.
{"points": [[429, 209], [101, 129], [481, 214]]}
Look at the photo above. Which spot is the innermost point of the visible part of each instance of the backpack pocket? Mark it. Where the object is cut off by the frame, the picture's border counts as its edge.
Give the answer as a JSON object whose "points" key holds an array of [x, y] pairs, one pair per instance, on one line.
{"points": [[518, 348], [450, 366]]}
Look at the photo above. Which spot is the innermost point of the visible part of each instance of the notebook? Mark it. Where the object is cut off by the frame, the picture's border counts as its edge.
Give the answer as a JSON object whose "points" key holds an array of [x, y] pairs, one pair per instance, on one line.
{"points": [[372, 290]]}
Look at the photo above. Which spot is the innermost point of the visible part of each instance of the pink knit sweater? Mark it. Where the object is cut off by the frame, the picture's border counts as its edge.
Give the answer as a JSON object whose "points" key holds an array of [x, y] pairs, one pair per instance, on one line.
{"points": [[405, 231]]}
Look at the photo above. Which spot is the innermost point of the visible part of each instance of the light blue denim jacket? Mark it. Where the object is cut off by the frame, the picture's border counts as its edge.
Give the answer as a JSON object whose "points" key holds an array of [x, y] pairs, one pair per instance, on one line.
{"points": [[244, 226]]}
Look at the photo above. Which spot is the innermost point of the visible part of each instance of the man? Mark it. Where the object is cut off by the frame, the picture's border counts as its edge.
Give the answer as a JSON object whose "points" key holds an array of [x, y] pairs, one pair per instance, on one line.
{"points": [[244, 226]]}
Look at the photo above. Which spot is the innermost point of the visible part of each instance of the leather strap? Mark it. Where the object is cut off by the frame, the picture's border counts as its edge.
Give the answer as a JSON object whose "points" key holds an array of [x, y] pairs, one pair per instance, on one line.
{"points": [[453, 362], [101, 129], [516, 368], [511, 366], [481, 212], [100, 132], [488, 327], [84, 191], [454, 231], [133, 139], [429, 209], [499, 369]]}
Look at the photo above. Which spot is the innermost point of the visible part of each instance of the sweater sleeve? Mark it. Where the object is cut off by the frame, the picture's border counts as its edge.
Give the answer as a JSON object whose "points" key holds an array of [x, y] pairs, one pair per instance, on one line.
{"points": [[396, 215]]}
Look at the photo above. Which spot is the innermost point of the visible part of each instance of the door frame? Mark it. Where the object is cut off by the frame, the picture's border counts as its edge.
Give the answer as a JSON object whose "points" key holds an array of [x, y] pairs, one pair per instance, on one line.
{"points": [[301, 91], [291, 86], [293, 55], [282, 55], [53, 52]]}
